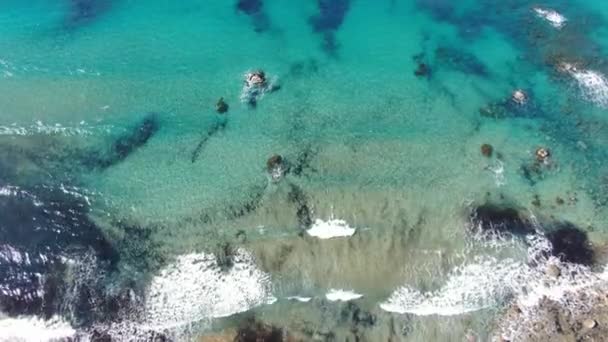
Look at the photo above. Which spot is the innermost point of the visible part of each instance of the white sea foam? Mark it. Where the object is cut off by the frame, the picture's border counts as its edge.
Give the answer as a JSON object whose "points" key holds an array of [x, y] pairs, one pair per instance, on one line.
{"points": [[41, 128], [470, 287], [485, 283], [498, 169], [194, 288], [335, 295], [593, 85], [554, 18], [300, 299], [331, 228], [33, 329]]}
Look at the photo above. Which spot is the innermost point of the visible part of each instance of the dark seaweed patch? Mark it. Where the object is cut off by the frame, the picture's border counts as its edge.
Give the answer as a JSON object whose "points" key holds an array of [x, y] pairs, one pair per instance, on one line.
{"points": [[249, 206], [254, 9], [44, 225], [215, 128], [85, 11], [460, 60], [571, 244], [125, 145], [297, 197], [328, 20], [494, 219], [302, 162]]}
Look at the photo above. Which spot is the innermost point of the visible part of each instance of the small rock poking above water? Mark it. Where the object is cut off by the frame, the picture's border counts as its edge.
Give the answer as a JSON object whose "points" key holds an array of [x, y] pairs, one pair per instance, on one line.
{"points": [[487, 150], [542, 154], [519, 97], [276, 167]]}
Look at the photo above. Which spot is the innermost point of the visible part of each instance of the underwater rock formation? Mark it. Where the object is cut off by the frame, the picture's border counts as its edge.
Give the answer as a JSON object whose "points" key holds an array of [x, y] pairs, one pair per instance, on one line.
{"points": [[254, 9], [328, 20], [571, 244], [496, 219], [45, 227], [297, 197], [461, 61], [125, 145], [85, 11], [216, 127]]}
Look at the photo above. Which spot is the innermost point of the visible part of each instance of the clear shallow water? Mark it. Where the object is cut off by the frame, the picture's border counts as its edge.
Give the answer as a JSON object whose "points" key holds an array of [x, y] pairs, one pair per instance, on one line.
{"points": [[394, 155]]}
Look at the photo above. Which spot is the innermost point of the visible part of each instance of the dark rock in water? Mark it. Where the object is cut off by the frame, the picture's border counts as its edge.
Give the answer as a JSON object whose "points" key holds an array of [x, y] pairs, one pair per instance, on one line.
{"points": [[276, 161], [221, 106], [85, 11], [571, 244], [328, 20], [460, 60], [129, 143], [486, 150], [224, 256], [497, 219], [302, 162], [249, 7], [254, 9], [216, 127], [254, 331], [297, 197], [45, 226], [423, 70], [331, 15]]}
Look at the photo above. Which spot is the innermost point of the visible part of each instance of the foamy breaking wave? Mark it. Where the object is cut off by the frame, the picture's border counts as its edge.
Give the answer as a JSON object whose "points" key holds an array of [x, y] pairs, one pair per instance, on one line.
{"points": [[194, 288], [330, 229], [554, 18], [52, 129], [593, 85], [471, 287], [486, 283], [33, 329], [335, 295]]}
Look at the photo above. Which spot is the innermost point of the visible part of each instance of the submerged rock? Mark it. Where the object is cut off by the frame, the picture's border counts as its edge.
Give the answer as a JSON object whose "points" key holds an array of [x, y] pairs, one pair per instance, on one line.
{"points": [[460, 60], [498, 219], [571, 244], [519, 97], [487, 150], [276, 167], [423, 70], [85, 11], [221, 106]]}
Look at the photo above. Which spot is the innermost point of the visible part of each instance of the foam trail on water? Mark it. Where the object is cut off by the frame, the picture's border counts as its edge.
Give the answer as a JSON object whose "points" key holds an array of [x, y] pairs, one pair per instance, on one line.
{"points": [[335, 295], [330, 229], [593, 85], [554, 18], [194, 288], [485, 283], [470, 287], [300, 299], [33, 329]]}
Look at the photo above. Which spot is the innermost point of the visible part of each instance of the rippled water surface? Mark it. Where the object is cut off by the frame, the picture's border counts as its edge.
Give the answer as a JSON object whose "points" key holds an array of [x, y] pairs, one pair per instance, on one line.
{"points": [[408, 202]]}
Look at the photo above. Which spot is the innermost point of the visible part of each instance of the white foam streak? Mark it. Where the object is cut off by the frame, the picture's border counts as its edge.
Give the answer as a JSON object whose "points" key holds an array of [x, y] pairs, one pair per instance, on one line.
{"points": [[593, 85], [554, 18], [330, 229], [32, 329], [335, 295], [300, 299], [195, 288]]}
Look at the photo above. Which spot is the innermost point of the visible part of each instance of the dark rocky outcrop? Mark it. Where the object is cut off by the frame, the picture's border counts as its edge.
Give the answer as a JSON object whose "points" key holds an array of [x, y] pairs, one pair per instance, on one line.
{"points": [[487, 150], [571, 244], [83, 12], [328, 20], [491, 218], [215, 128], [124, 145], [461, 61], [255, 10], [297, 197]]}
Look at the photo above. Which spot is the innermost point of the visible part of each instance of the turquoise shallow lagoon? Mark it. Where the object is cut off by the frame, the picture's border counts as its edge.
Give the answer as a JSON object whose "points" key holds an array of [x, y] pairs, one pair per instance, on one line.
{"points": [[131, 210]]}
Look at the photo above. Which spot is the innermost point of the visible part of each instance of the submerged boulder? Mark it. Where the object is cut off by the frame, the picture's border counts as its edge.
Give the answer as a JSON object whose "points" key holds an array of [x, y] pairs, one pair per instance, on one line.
{"points": [[570, 244], [491, 218], [487, 150]]}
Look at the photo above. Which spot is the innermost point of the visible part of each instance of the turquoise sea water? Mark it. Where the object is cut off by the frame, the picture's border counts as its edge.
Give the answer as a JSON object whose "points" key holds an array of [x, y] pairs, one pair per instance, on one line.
{"points": [[142, 209]]}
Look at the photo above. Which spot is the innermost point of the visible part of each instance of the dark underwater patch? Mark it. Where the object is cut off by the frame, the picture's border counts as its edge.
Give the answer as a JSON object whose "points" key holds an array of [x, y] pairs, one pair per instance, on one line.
{"points": [[124, 145], [255, 10], [459, 60], [297, 197], [328, 20], [496, 219], [82, 12], [44, 226], [571, 244], [216, 127]]}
